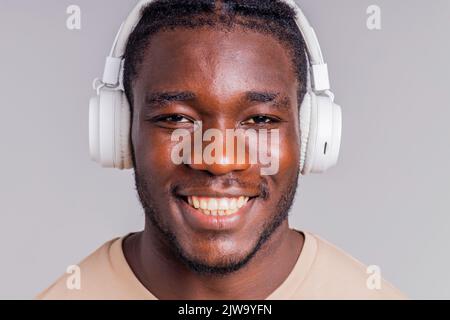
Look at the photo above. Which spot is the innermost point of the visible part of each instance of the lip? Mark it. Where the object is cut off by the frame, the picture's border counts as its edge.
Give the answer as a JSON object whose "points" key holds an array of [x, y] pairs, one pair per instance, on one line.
{"points": [[203, 222]]}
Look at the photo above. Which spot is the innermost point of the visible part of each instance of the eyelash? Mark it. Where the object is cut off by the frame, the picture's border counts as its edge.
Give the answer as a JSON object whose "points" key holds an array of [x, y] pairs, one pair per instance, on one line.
{"points": [[266, 117], [164, 118]]}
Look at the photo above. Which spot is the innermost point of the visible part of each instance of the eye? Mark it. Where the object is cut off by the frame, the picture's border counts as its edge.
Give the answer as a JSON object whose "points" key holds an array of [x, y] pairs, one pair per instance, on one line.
{"points": [[174, 118], [260, 119]]}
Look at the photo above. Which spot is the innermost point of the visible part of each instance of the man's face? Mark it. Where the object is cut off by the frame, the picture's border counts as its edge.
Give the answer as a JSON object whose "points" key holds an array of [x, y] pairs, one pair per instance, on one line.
{"points": [[207, 75]]}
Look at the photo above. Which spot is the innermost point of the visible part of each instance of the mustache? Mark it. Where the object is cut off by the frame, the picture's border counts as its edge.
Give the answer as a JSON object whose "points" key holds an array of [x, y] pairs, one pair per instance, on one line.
{"points": [[224, 182]]}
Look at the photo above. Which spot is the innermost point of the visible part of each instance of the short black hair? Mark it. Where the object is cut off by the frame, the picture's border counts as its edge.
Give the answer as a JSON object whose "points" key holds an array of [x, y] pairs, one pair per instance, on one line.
{"points": [[272, 17]]}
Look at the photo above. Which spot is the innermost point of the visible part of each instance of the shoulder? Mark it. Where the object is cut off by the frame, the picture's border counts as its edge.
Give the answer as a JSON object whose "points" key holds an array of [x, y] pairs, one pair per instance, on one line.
{"points": [[334, 274], [84, 280]]}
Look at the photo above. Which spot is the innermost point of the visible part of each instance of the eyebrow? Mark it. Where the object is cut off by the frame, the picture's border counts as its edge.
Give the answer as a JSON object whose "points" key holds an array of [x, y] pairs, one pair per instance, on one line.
{"points": [[167, 97], [164, 98], [256, 96], [276, 99]]}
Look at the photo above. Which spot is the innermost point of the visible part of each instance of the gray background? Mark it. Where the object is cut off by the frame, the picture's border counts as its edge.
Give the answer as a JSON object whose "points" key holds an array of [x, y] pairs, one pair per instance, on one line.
{"points": [[387, 203]]}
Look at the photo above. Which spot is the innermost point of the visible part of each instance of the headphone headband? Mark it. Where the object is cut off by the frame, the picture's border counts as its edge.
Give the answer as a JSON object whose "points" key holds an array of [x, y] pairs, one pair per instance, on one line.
{"points": [[320, 117], [318, 68]]}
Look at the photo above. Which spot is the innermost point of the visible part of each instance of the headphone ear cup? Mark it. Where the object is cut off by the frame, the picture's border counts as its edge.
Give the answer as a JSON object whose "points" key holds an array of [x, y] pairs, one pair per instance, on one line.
{"points": [[305, 121], [109, 126], [322, 150], [123, 157], [335, 146], [94, 128], [108, 107], [312, 135], [109, 129]]}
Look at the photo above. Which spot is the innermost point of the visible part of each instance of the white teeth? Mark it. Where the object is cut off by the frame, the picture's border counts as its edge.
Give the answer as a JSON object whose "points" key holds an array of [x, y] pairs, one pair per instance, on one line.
{"points": [[212, 204], [217, 206], [196, 202], [240, 202], [233, 203], [203, 204], [223, 204]]}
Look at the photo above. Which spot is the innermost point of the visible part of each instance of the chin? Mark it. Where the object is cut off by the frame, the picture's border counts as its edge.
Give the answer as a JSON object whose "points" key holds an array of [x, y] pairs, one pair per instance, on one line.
{"points": [[216, 254]]}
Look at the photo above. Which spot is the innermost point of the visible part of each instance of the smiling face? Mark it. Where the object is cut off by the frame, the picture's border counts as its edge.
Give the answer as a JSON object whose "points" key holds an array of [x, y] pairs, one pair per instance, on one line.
{"points": [[238, 79]]}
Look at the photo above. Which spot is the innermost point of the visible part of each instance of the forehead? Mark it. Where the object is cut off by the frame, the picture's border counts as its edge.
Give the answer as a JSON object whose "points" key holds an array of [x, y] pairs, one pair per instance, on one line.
{"points": [[217, 61]]}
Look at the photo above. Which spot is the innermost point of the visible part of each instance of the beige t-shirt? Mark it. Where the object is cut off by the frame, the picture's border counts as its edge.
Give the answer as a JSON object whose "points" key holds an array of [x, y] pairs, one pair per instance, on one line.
{"points": [[322, 271]]}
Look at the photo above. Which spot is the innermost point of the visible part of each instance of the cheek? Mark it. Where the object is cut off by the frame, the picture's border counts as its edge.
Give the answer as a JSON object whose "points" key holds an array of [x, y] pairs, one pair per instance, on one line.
{"points": [[289, 157], [289, 153], [153, 154], [288, 166]]}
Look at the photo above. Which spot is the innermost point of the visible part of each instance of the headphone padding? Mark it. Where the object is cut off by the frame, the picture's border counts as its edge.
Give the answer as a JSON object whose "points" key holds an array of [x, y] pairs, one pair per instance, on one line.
{"points": [[124, 148], [107, 125], [312, 136], [305, 119]]}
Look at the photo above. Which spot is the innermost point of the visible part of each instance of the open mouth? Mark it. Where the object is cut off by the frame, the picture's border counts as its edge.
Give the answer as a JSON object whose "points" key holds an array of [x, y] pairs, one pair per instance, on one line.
{"points": [[217, 206]]}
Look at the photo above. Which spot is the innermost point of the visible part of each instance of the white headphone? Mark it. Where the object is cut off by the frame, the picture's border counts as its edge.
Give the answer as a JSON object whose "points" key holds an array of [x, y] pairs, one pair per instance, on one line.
{"points": [[109, 111]]}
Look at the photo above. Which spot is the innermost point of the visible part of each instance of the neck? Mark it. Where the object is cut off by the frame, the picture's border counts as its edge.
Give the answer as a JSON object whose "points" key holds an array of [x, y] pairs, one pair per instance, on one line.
{"points": [[166, 277]]}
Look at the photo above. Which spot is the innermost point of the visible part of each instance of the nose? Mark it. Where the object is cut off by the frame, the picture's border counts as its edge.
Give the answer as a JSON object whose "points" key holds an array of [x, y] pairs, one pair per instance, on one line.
{"points": [[221, 167], [221, 161]]}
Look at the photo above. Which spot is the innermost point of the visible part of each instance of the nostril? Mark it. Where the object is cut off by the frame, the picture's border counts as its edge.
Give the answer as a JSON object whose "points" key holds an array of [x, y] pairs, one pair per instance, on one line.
{"points": [[220, 169]]}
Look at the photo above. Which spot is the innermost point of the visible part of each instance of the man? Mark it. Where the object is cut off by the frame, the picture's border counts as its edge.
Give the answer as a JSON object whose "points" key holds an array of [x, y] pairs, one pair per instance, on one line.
{"points": [[217, 230]]}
